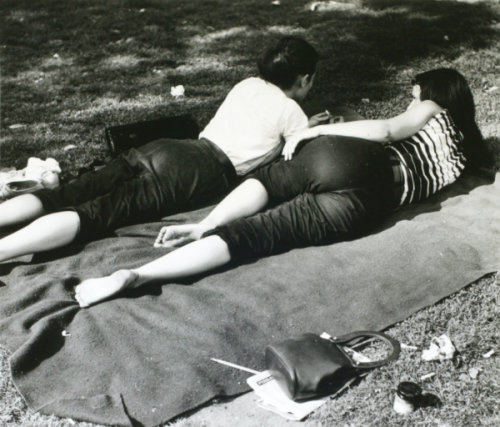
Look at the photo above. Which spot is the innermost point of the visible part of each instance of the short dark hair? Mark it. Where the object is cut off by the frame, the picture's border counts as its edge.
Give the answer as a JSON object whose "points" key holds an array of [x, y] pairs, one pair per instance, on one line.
{"points": [[450, 90], [290, 58]]}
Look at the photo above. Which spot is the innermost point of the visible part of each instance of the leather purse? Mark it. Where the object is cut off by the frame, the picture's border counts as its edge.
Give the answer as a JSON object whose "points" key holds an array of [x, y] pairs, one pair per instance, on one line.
{"points": [[310, 366], [133, 135]]}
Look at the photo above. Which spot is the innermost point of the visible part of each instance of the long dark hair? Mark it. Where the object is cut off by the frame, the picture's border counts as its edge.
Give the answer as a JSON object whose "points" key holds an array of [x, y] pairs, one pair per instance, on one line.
{"points": [[449, 89]]}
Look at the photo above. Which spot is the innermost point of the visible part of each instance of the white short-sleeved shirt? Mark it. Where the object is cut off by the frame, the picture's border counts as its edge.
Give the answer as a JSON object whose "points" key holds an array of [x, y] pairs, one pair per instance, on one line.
{"points": [[252, 122]]}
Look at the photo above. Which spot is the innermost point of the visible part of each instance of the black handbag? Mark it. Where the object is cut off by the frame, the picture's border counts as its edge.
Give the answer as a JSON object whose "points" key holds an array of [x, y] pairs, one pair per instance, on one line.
{"points": [[133, 135], [309, 366]]}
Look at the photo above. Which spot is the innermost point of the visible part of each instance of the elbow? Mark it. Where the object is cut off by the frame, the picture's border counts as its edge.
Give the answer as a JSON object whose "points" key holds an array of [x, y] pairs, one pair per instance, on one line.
{"points": [[386, 133]]}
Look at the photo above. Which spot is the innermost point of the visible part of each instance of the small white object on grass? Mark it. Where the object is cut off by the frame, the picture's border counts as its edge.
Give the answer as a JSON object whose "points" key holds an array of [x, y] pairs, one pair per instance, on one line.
{"points": [[177, 91], [440, 349], [17, 126], [408, 347], [69, 147], [325, 6], [489, 354], [474, 372], [427, 376], [276, 3]]}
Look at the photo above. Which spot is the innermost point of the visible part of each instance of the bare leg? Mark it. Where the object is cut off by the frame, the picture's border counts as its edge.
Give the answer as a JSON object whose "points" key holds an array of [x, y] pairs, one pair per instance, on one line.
{"points": [[20, 209], [197, 257], [245, 200], [48, 232]]}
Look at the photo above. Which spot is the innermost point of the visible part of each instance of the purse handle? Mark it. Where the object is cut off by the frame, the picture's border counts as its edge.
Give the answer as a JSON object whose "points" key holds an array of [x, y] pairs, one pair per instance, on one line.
{"points": [[394, 344]]}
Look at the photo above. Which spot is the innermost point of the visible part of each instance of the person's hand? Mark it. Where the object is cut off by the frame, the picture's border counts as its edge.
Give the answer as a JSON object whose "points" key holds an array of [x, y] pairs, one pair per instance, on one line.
{"points": [[320, 119], [293, 141], [175, 236]]}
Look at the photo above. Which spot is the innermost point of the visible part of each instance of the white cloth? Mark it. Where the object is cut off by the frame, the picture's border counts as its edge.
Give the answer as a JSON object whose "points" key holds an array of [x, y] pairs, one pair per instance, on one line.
{"points": [[252, 121]]}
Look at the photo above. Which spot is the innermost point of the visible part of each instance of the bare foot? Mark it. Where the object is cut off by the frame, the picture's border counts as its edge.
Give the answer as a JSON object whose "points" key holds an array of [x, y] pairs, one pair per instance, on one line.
{"points": [[92, 291], [175, 236]]}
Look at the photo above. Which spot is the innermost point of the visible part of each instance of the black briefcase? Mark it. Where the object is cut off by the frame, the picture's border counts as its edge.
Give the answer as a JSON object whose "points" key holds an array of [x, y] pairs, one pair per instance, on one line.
{"points": [[133, 135]]}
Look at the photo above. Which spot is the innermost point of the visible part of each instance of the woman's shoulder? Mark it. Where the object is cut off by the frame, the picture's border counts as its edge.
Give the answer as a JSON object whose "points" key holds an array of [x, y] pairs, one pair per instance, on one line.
{"points": [[427, 107]]}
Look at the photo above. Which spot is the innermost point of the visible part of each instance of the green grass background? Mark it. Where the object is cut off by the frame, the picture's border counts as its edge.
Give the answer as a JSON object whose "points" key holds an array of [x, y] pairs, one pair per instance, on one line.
{"points": [[71, 68]]}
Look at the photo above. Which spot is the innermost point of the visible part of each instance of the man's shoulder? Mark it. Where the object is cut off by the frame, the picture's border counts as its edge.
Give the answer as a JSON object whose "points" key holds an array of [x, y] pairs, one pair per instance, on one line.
{"points": [[256, 85], [251, 84]]}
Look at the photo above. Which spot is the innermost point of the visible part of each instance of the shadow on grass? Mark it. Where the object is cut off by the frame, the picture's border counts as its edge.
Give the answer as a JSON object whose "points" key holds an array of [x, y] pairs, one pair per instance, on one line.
{"points": [[362, 48], [67, 73], [360, 43]]}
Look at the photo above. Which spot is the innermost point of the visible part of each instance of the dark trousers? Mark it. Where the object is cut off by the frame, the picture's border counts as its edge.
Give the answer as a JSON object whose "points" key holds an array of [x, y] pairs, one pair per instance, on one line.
{"points": [[161, 178], [334, 189]]}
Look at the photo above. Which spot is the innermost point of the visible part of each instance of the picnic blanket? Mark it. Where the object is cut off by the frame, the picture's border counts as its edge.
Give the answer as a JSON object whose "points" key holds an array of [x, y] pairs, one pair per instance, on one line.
{"points": [[145, 357]]}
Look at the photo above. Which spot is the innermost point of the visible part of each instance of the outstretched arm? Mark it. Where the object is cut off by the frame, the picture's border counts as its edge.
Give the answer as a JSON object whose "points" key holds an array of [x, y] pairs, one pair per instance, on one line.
{"points": [[245, 200], [384, 131]]}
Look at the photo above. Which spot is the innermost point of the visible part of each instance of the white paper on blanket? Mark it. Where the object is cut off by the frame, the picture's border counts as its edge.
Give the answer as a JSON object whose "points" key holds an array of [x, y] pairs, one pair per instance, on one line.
{"points": [[275, 400]]}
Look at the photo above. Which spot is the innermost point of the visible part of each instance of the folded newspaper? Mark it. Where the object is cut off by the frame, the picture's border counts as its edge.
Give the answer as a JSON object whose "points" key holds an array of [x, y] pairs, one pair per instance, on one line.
{"points": [[274, 399]]}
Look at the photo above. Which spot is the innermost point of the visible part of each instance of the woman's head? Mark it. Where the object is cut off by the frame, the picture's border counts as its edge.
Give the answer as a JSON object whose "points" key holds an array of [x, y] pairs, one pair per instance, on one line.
{"points": [[449, 89], [290, 59]]}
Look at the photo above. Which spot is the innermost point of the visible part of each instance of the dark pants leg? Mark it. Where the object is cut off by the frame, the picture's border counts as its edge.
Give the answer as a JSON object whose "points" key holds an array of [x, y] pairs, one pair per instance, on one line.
{"points": [[334, 189], [161, 178], [87, 187], [172, 176]]}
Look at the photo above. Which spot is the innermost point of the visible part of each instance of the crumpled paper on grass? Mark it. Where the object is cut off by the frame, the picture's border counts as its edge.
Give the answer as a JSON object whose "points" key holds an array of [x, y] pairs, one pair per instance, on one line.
{"points": [[177, 91], [440, 349]]}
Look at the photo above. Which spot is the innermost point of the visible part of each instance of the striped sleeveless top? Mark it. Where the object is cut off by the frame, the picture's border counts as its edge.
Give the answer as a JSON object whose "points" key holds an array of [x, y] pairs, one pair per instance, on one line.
{"points": [[430, 159]]}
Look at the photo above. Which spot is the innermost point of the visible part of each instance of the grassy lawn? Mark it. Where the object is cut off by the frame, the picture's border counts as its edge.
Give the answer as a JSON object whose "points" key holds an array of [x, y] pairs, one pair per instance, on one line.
{"points": [[71, 68]]}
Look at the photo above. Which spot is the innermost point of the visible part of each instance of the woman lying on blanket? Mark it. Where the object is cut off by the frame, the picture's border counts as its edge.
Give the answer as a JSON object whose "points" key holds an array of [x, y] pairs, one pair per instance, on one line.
{"points": [[339, 185]]}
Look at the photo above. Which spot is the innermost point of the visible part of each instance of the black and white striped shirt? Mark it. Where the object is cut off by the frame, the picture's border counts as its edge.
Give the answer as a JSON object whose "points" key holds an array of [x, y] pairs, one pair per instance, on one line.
{"points": [[430, 159]]}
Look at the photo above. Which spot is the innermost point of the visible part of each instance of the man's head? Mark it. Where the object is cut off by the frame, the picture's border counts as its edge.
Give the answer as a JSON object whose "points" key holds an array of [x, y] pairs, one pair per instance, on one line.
{"points": [[290, 65]]}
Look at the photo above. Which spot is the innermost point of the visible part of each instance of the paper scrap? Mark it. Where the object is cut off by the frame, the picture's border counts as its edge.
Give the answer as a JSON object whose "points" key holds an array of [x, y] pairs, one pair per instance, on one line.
{"points": [[177, 91], [474, 372], [408, 347], [440, 349], [427, 376], [489, 354], [274, 399]]}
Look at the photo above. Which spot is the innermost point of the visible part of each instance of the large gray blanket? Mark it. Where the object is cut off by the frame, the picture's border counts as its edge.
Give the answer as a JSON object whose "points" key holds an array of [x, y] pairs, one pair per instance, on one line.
{"points": [[145, 357]]}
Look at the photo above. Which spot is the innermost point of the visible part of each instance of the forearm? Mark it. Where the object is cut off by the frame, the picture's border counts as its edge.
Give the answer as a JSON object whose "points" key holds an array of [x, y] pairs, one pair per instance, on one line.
{"points": [[195, 258], [245, 200], [372, 130], [389, 130]]}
